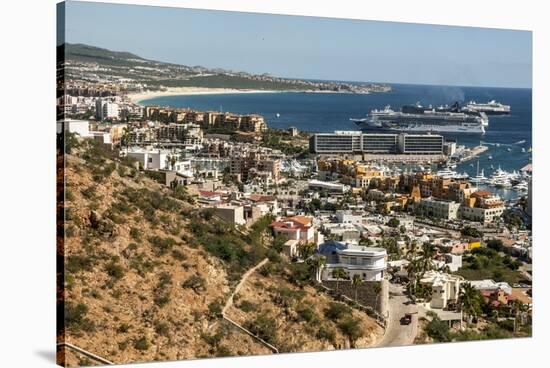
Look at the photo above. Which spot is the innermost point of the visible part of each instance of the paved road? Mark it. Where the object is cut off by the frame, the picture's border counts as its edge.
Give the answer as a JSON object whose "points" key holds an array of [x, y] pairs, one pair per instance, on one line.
{"points": [[396, 333]]}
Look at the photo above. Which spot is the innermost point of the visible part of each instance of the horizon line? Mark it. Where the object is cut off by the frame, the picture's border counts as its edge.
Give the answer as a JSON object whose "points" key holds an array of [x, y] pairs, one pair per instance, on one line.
{"points": [[298, 78]]}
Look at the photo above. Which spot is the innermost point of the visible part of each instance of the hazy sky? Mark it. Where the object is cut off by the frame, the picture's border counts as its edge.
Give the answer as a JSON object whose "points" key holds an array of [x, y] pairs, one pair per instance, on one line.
{"points": [[308, 47]]}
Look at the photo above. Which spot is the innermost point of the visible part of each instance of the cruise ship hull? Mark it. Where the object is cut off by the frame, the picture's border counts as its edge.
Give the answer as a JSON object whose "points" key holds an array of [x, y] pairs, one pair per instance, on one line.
{"points": [[492, 112], [460, 128]]}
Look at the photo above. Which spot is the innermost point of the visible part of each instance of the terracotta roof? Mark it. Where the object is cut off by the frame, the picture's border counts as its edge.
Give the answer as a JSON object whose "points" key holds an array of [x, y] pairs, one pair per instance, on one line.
{"points": [[284, 225], [302, 220], [207, 193], [261, 198], [482, 193]]}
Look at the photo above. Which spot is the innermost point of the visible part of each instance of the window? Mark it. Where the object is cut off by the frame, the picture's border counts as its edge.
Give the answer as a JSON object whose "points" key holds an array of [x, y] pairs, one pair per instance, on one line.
{"points": [[150, 160]]}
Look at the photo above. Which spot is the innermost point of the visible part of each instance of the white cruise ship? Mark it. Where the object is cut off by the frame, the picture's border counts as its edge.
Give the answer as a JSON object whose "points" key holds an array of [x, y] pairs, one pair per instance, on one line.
{"points": [[415, 118], [490, 108]]}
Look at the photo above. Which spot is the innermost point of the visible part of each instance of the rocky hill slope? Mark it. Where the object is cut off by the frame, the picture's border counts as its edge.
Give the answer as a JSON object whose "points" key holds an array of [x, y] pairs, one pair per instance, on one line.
{"points": [[147, 273]]}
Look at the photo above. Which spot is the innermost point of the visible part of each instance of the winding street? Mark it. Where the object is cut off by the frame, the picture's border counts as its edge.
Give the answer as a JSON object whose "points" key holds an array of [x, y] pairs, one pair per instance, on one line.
{"points": [[396, 333]]}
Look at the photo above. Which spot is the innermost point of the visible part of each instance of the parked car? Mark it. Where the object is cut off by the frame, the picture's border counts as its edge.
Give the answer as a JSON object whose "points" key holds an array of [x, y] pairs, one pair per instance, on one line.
{"points": [[406, 319]]}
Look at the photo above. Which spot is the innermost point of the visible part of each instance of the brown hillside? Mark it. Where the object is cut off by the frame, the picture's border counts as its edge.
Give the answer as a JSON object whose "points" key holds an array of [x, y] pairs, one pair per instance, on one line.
{"points": [[146, 273]]}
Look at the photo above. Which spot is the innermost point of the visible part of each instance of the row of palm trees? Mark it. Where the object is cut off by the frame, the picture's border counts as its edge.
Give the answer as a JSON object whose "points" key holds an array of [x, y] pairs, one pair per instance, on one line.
{"points": [[419, 264]]}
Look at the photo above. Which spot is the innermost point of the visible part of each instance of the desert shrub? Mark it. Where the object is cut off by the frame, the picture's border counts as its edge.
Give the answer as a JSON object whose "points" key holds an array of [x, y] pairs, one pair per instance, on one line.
{"points": [[70, 231], [286, 297], [123, 345], [307, 314], [69, 196], [326, 333], [135, 233], [141, 343], [77, 263], [115, 270], [195, 282], [142, 264], [88, 193], [336, 311], [75, 317], [212, 339], [300, 274], [215, 308], [122, 207], [161, 328], [121, 170], [162, 299], [351, 327], [161, 245], [247, 306], [264, 327], [179, 255], [123, 328], [265, 270], [165, 279], [223, 351], [273, 256]]}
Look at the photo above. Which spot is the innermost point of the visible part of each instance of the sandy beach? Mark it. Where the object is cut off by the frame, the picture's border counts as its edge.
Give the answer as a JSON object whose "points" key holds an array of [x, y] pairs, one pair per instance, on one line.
{"points": [[178, 91]]}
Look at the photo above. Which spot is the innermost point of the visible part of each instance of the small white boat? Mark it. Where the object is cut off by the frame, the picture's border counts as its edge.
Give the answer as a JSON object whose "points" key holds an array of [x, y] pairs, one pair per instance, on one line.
{"points": [[277, 114], [523, 150], [490, 157]]}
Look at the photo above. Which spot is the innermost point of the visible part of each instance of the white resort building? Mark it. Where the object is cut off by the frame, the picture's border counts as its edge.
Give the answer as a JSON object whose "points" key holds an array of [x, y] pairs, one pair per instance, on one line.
{"points": [[369, 263]]}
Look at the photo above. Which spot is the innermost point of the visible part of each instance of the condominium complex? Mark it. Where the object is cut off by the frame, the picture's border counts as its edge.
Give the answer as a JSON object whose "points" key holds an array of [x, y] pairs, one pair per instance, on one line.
{"points": [[254, 165], [207, 120], [106, 110], [444, 209]]}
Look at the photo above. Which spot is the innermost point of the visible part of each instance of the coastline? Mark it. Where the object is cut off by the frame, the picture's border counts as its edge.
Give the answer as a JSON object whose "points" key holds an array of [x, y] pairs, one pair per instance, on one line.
{"points": [[138, 97]]}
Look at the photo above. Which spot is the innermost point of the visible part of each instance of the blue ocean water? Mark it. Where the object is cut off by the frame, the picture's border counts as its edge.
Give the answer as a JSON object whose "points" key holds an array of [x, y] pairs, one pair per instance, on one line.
{"points": [[326, 112]]}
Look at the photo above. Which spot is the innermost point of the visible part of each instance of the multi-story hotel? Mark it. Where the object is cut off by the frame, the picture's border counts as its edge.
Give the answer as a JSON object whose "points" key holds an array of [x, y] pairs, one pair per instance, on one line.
{"points": [[358, 142]]}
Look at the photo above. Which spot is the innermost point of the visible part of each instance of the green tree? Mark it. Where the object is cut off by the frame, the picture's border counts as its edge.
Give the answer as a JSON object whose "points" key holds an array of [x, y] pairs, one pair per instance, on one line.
{"points": [[470, 301], [306, 250], [393, 222]]}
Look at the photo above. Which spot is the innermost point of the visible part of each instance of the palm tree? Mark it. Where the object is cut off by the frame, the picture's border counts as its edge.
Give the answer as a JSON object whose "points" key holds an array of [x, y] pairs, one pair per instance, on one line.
{"points": [[318, 262], [306, 250], [338, 273], [470, 301], [173, 160], [428, 253], [413, 270], [356, 281], [517, 309]]}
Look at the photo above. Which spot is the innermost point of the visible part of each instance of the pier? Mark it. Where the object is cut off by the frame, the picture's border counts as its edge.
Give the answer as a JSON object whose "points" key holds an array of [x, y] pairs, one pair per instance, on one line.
{"points": [[470, 153]]}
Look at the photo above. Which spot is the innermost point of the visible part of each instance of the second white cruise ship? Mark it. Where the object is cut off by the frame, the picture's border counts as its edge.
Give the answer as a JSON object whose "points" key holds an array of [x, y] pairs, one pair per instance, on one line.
{"points": [[489, 108], [416, 118]]}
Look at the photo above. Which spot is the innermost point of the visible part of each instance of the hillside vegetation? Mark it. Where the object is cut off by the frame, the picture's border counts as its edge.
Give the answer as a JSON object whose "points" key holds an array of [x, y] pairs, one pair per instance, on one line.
{"points": [[147, 273]]}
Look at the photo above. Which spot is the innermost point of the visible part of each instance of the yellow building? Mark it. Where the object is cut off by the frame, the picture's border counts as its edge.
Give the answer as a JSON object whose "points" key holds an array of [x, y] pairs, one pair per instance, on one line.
{"points": [[474, 243]]}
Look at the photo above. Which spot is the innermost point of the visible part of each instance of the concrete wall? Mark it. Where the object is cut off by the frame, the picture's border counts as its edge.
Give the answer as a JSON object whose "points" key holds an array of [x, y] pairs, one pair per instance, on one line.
{"points": [[365, 293]]}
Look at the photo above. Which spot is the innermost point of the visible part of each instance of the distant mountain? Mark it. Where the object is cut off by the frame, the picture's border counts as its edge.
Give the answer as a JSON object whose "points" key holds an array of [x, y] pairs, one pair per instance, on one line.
{"points": [[131, 68], [87, 53], [79, 51]]}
